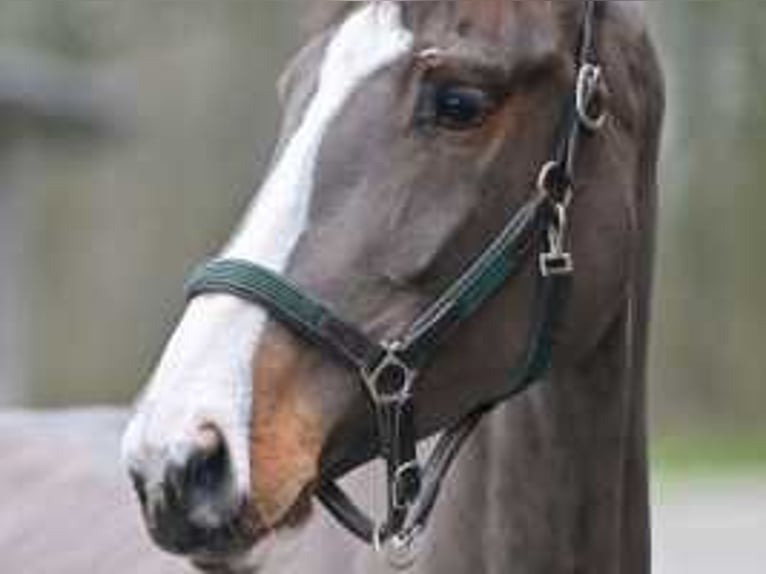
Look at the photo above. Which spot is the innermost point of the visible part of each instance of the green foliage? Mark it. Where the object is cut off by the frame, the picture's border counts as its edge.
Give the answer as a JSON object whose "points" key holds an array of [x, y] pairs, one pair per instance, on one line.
{"points": [[708, 364], [710, 454]]}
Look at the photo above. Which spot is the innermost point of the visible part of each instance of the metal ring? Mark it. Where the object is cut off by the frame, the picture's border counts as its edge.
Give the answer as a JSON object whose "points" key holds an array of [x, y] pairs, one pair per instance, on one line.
{"points": [[402, 549], [589, 79], [389, 361], [377, 538], [544, 180]]}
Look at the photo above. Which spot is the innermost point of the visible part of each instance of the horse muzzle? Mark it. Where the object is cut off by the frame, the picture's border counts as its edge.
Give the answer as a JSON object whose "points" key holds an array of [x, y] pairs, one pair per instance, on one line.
{"points": [[189, 497]]}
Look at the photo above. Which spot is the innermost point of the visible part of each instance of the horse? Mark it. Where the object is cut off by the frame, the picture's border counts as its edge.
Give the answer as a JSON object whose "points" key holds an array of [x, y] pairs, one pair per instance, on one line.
{"points": [[463, 195]]}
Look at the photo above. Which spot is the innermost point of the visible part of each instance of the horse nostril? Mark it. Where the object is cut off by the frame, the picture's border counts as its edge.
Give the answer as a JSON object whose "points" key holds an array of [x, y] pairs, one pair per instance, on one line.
{"points": [[188, 490], [199, 483], [208, 463]]}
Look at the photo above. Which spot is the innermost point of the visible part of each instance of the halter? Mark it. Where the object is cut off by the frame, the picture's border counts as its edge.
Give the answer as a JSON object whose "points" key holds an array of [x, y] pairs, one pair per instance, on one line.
{"points": [[388, 370]]}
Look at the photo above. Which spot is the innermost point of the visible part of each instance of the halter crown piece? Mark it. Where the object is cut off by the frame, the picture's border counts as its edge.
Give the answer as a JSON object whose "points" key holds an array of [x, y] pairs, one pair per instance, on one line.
{"points": [[388, 370]]}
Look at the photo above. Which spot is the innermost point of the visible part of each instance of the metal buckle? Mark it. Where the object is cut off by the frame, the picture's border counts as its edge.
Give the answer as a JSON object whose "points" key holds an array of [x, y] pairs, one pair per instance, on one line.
{"points": [[400, 375], [589, 79], [399, 498], [556, 264], [557, 261]]}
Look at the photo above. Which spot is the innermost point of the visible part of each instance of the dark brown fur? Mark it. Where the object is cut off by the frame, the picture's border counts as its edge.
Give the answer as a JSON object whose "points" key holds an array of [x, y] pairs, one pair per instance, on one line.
{"points": [[556, 481]]}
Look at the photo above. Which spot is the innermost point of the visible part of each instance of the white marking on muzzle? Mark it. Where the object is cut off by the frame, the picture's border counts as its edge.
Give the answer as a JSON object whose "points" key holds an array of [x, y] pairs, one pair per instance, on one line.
{"points": [[205, 372]]}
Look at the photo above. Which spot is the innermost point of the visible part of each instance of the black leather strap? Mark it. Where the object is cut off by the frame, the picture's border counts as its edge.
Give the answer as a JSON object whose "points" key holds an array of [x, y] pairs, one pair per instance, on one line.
{"points": [[488, 273], [290, 305], [346, 511], [551, 302]]}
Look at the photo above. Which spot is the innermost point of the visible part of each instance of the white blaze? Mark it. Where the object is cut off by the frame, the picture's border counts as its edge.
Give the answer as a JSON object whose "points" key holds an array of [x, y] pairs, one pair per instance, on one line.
{"points": [[205, 372]]}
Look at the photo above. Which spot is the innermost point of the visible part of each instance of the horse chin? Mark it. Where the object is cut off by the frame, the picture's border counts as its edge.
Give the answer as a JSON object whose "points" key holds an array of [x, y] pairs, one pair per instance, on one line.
{"points": [[266, 545], [299, 511], [276, 546]]}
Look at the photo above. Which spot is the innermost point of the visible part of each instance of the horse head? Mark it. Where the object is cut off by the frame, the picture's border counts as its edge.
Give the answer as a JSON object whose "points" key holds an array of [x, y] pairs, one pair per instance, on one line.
{"points": [[412, 133]]}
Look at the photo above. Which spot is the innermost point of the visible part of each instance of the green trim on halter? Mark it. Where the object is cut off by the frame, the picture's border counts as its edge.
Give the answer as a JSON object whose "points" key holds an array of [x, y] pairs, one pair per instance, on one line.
{"points": [[307, 316], [249, 280], [316, 321], [259, 284], [488, 273]]}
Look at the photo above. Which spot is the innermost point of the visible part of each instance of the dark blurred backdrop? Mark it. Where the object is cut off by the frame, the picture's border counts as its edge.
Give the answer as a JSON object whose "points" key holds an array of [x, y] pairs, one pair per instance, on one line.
{"points": [[133, 133]]}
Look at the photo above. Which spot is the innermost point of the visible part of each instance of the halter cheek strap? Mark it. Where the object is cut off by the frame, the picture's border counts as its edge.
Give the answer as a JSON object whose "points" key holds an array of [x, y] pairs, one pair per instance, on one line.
{"points": [[388, 370]]}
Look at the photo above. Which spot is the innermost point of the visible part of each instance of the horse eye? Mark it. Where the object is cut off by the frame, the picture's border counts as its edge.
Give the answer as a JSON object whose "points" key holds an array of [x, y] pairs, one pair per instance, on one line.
{"points": [[460, 107]]}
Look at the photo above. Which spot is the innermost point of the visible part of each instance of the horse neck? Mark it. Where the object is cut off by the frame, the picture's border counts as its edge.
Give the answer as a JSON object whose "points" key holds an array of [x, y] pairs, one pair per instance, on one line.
{"points": [[555, 480]]}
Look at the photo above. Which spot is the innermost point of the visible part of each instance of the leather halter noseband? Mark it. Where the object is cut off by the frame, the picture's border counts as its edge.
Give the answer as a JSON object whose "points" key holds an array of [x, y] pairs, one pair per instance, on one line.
{"points": [[389, 369]]}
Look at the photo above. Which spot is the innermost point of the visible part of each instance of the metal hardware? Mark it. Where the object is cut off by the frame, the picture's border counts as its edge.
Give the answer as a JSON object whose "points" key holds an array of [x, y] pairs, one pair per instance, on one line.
{"points": [[401, 549], [589, 82], [390, 381], [401, 496], [377, 539], [556, 260], [549, 182], [556, 264]]}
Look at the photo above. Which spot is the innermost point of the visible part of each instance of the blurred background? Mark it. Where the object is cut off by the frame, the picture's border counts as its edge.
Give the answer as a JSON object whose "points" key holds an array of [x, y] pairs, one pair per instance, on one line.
{"points": [[133, 133]]}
